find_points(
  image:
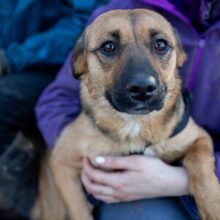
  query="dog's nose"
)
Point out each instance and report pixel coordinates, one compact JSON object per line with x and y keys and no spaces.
{"x":142,"y":88}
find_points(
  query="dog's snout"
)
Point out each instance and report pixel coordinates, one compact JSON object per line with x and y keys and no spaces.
{"x":142,"y":88}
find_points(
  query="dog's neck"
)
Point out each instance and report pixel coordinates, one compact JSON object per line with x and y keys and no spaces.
{"x":151,"y":128}
{"x":184,"y":113}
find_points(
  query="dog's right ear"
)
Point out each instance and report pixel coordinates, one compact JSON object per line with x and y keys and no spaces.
{"x":79,"y":62}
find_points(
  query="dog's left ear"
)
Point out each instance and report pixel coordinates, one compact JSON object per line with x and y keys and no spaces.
{"x":181,"y":55}
{"x":79,"y":62}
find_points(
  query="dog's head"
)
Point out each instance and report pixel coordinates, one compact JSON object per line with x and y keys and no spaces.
{"x":129,"y":58}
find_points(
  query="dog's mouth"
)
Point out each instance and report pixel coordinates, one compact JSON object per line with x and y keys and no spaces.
{"x":123,"y":103}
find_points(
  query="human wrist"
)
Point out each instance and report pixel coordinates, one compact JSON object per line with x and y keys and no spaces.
{"x":177,"y":182}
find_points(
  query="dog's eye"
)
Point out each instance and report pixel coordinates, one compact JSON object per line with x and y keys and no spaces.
{"x":108,"y":47}
{"x":161,"y":46}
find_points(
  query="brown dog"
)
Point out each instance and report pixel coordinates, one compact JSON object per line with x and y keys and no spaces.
{"x":128,"y":62}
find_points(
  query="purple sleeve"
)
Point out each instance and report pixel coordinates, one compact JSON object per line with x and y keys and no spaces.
{"x":58,"y":105}
{"x":217,"y":164}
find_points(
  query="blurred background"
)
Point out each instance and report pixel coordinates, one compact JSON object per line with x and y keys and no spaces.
{"x":35,"y":39}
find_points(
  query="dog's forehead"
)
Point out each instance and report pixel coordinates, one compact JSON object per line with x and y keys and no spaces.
{"x":126,"y":23}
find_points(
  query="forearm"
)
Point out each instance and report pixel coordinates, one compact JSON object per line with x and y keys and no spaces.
{"x":175,"y":183}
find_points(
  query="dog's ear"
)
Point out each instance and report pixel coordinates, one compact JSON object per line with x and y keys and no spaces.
{"x":79,"y":62}
{"x":181,"y":55}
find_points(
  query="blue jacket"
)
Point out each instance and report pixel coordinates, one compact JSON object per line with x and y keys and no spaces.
{"x":41,"y":32}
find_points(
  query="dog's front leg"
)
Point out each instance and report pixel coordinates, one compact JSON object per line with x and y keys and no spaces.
{"x":67,"y":179}
{"x":203,"y":182}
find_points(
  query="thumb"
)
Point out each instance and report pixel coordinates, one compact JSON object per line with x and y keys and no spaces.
{"x":118,"y":162}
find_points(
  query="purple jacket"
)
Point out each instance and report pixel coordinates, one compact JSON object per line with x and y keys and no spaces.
{"x":60,"y":103}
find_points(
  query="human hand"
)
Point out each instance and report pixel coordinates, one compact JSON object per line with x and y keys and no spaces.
{"x":4,"y":64}
{"x":132,"y":178}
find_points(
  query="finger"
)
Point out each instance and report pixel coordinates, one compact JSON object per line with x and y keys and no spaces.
{"x":106,"y":199}
{"x":97,"y":193}
{"x":86,"y":181}
{"x":101,"y":177}
{"x":96,"y":189}
{"x":119,"y":162}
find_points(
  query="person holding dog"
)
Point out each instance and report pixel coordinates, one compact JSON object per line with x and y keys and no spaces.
{"x":146,"y":187}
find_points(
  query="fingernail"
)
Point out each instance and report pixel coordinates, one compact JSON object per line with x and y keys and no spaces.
{"x":100,"y":160}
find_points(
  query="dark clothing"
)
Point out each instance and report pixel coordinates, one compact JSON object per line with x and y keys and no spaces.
{"x":19,"y":174}
{"x":155,"y":209}
{"x":18,"y":168}
{"x":18,"y":95}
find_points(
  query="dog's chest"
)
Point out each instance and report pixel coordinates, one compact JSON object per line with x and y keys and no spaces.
{"x":125,"y":141}
{"x":130,"y":135}
{"x":130,"y":130}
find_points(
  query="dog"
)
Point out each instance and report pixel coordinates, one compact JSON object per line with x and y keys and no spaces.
{"x":128,"y":62}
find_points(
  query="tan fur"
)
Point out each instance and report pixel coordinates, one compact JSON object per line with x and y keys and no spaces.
{"x":48,"y":195}
{"x":101,"y":130}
